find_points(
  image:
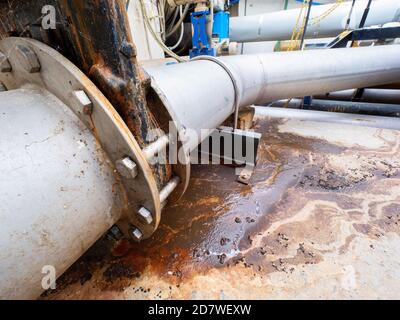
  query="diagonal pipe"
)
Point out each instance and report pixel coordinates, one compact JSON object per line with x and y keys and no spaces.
{"x":202,"y":94}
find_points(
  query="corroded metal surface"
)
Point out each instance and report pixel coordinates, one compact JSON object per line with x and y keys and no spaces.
{"x":320,"y":219}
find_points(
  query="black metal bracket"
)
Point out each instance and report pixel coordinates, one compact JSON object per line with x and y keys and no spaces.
{"x":342,"y":40}
{"x":238,"y":148}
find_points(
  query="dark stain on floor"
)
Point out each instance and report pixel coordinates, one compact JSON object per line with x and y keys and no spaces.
{"x":214,"y":224}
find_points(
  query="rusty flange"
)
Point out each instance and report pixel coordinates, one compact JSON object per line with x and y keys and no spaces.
{"x":29,"y":62}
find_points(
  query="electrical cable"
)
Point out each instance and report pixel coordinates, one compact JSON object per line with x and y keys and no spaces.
{"x":172,"y":21}
{"x":180,"y":21}
{"x":156,"y":37}
{"x":181,"y":35}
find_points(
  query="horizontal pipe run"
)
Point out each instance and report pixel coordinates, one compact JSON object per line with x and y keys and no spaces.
{"x":331,"y":117}
{"x":388,"y":110}
{"x":58,"y":195}
{"x":391,"y":96}
{"x":279,"y":25}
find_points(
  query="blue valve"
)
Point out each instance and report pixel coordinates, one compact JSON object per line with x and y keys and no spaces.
{"x":201,"y":44}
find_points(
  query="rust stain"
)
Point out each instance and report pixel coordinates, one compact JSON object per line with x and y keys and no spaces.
{"x":312,"y":214}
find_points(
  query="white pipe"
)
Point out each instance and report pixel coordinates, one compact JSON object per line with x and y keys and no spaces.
{"x":279,"y":25}
{"x":331,"y":117}
{"x":59,"y":195}
{"x":202,"y":93}
{"x":367,"y":95}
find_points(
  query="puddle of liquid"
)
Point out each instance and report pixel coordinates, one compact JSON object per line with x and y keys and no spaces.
{"x":220,"y":223}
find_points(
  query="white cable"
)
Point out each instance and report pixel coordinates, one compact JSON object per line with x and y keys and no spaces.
{"x":156,"y":37}
{"x":182,"y":32}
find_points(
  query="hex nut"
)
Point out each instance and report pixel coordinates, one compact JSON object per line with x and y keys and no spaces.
{"x":127,"y":168}
{"x":28,"y":59}
{"x":136,"y":234}
{"x":85,"y":105}
{"x":145,"y":215}
{"x":4,"y":63}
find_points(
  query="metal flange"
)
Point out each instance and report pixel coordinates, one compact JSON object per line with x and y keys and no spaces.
{"x":29,"y":62}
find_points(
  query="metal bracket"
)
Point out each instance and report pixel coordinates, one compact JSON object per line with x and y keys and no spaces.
{"x":226,"y":146}
{"x":365,"y":34}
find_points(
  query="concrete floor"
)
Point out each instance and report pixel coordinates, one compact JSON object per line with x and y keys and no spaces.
{"x":320,"y":220}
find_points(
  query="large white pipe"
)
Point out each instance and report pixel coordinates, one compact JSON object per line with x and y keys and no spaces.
{"x":202,"y":93}
{"x":69,"y":169}
{"x":59,"y":194}
{"x":279,"y":25}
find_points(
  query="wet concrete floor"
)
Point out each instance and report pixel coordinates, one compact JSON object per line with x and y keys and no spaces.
{"x":320,"y":219}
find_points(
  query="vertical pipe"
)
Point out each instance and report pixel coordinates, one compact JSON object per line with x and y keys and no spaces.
{"x":350,"y":14}
{"x":306,"y":24}
{"x":168,"y":189}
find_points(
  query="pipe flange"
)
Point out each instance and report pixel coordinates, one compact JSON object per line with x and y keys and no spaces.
{"x":34,"y":63}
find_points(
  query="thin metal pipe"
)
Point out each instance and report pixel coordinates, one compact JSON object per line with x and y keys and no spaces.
{"x":391,"y":96}
{"x":331,"y":117}
{"x":303,"y":36}
{"x":365,"y":15}
{"x":378,"y":109}
{"x":350,"y":14}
